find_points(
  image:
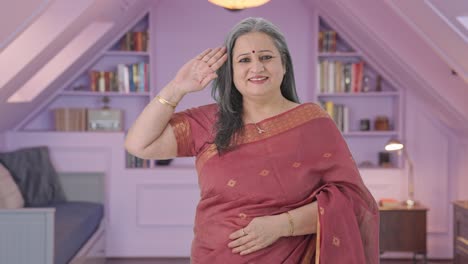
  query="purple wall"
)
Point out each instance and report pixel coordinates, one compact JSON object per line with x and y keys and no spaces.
{"x":185,"y":28}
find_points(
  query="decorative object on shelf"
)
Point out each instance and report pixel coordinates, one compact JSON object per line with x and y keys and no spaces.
{"x":105,"y":119}
{"x":381,"y":123}
{"x":79,"y":88}
{"x":389,"y":202}
{"x":105,"y":102}
{"x":238,"y":4}
{"x":165,"y":162}
{"x":364,"y":124}
{"x":378,"y":84}
{"x":366,"y":164}
{"x":365,"y":84}
{"x":396,"y":145}
{"x":384,"y":160}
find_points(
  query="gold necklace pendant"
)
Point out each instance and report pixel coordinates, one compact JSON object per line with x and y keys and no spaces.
{"x":259,"y":130}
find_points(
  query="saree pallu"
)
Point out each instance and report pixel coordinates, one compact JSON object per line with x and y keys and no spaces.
{"x":301,"y":157}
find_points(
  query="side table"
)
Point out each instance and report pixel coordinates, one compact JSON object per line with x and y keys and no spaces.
{"x":460,"y":232}
{"x":403,"y":228}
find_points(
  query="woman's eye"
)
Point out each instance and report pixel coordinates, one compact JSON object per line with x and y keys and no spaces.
{"x":266,"y":57}
{"x":244,"y":60}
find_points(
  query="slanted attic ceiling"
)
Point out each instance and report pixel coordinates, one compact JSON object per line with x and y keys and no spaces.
{"x":400,"y":43}
{"x":117,"y":12}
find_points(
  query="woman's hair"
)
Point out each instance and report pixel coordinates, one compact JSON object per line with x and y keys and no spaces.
{"x":229,"y":99}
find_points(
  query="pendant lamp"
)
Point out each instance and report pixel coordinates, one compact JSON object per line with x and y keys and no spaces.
{"x":238,"y":4}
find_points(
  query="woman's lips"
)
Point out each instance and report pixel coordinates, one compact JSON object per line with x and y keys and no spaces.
{"x":258,"y":80}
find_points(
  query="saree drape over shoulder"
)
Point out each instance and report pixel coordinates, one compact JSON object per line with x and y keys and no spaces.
{"x":300,"y":158}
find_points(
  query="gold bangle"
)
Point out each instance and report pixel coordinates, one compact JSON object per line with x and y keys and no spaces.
{"x":165,"y":102}
{"x":291,"y":224}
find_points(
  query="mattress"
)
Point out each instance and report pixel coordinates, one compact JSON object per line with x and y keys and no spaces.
{"x":75,"y":223}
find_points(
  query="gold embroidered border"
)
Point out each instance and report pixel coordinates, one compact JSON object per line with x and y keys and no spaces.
{"x":206,"y":155}
{"x":317,"y":244}
{"x":309,"y":254}
{"x":288,"y":120}
{"x":182,"y":132}
{"x":276,"y":125}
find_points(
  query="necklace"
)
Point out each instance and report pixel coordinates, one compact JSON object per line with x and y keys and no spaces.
{"x":259,"y":130}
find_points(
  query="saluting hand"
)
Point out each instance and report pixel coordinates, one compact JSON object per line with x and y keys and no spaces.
{"x":201,"y":70}
{"x":260,"y":233}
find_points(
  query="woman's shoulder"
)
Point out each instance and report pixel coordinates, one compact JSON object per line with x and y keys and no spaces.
{"x":313,"y":110}
{"x":208,"y":111}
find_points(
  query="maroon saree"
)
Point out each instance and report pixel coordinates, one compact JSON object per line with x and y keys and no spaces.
{"x":300,"y":158}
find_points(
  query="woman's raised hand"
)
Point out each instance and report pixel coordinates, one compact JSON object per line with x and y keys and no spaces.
{"x":199,"y":71}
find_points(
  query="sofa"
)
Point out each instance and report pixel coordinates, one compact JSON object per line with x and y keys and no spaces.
{"x":37,"y":222}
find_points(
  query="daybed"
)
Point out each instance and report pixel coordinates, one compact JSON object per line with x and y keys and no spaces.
{"x":48,"y":229}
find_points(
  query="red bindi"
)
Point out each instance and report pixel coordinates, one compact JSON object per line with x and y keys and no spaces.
{"x":253,"y":51}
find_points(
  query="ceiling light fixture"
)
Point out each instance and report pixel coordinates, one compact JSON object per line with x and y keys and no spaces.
{"x":238,"y":4}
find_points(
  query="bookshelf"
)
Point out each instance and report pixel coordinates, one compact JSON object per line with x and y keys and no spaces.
{"x":363,"y":104}
{"x":119,"y":74}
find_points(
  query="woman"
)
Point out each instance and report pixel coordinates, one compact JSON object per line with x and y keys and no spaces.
{"x":278,"y":183}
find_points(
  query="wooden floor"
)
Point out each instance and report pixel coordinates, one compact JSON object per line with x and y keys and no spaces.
{"x":187,"y":261}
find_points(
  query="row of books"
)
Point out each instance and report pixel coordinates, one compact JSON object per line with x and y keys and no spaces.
{"x":327,"y":41}
{"x":340,"y":77}
{"x":135,"y":162}
{"x":127,"y":78}
{"x":339,"y":113}
{"x":134,"y":41}
{"x":70,"y":119}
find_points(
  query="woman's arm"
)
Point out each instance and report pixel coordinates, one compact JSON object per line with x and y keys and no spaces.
{"x":300,"y":221}
{"x":150,"y":137}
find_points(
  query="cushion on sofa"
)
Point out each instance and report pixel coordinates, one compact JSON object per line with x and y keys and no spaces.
{"x":75,"y":223}
{"x":35,"y":175}
{"x":10,"y":196}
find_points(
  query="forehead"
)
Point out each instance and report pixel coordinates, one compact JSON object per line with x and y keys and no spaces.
{"x":253,"y":41}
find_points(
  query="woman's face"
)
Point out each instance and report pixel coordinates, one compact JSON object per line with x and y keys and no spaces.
{"x":257,"y":66}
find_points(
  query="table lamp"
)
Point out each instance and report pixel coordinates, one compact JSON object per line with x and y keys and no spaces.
{"x":396,"y":145}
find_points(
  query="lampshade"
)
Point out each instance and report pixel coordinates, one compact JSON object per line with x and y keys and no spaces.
{"x":238,"y":4}
{"x":393,"y":145}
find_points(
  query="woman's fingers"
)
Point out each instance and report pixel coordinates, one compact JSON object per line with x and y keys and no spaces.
{"x":219,"y":52}
{"x":245,"y":247}
{"x":210,"y":54}
{"x":215,"y":66}
{"x":201,"y":55}
{"x":237,"y":234}
{"x":252,"y":247}
{"x":208,"y":79}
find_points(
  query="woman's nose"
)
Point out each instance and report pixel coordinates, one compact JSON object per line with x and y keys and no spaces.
{"x":257,"y":66}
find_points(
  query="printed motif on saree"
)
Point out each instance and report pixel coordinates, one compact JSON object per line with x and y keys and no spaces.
{"x":301,"y":157}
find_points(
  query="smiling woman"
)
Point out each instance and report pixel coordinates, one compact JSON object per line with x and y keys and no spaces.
{"x":267,"y":194}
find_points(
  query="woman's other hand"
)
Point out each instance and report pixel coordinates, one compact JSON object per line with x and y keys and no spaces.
{"x":260,"y":233}
{"x":199,"y":71}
